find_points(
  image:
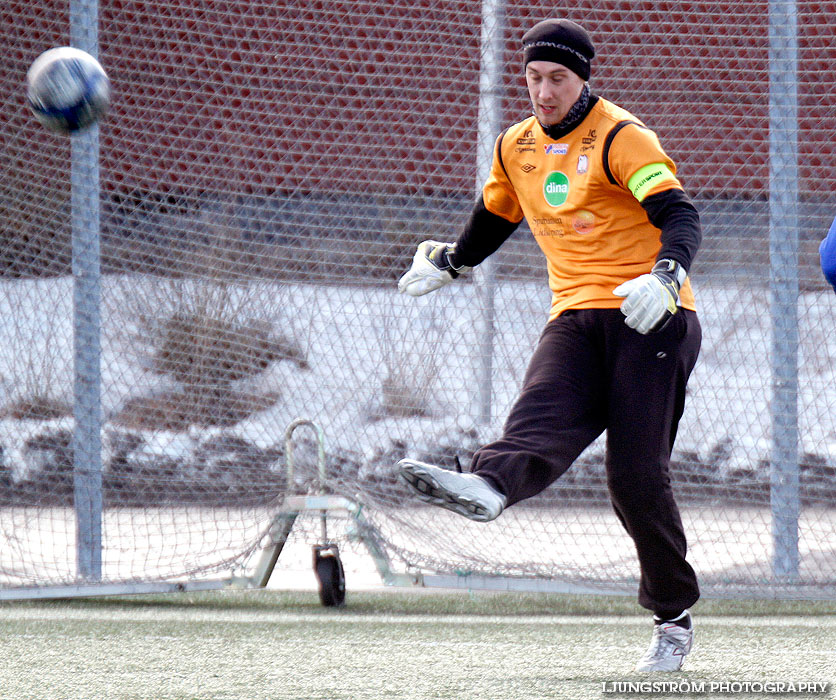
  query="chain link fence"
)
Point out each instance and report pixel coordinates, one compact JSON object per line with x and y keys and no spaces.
{"x":265,"y":174}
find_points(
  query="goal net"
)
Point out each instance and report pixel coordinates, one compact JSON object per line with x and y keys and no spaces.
{"x":265,"y":173}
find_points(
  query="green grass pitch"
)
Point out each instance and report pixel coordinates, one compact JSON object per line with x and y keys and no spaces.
{"x":391,"y":644}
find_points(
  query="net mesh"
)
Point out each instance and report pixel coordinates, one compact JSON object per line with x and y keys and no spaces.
{"x":267,"y":169}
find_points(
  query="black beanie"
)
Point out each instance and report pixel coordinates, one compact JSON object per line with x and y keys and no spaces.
{"x":560,"y":41}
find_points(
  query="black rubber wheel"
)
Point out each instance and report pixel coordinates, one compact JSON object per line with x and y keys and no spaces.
{"x":330,"y":574}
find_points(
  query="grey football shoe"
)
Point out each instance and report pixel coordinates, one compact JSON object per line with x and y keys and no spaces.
{"x":670,"y":644}
{"x":466,"y":494}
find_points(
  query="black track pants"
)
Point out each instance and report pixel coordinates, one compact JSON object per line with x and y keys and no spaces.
{"x":591,"y":373}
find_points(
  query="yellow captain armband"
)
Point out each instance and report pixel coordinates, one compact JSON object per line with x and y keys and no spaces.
{"x":647,"y":178}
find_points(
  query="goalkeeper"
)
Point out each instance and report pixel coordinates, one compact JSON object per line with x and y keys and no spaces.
{"x":619,"y":234}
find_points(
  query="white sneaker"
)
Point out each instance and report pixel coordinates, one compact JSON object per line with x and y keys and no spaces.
{"x":670,"y":645}
{"x":463,"y":493}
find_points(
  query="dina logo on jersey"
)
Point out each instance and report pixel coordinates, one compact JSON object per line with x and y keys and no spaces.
{"x":556,"y":188}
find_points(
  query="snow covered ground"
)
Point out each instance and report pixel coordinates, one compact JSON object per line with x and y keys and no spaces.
{"x":367,"y":348}
{"x":354,"y":338}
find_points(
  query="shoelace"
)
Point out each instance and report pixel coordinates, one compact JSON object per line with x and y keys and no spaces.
{"x":656,"y":643}
{"x":660,"y":643}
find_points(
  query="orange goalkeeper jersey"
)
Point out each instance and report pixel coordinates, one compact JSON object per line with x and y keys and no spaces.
{"x":581,"y":195}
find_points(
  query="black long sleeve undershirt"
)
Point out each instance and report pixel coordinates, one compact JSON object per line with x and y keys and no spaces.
{"x":676,"y":216}
{"x":482,"y":236}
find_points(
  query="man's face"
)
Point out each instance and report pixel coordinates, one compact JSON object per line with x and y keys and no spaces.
{"x":553,"y":90}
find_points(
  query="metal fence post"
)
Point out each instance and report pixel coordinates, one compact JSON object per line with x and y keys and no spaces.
{"x":490,"y":120}
{"x":87,"y":458}
{"x":783,"y":281}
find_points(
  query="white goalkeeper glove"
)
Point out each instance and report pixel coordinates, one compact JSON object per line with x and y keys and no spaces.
{"x":431,"y":269}
{"x":651,"y":300}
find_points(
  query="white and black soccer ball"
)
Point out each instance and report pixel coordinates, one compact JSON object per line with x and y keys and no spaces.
{"x":67,"y":89}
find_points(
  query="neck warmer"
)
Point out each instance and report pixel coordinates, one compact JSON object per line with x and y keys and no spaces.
{"x":573,"y":117}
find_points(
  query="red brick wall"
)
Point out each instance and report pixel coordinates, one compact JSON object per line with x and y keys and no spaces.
{"x":365,"y":97}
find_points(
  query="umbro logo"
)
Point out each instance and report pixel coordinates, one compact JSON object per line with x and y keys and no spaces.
{"x":528,"y":167}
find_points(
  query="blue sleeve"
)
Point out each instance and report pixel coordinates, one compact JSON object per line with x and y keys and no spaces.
{"x":827,"y":251}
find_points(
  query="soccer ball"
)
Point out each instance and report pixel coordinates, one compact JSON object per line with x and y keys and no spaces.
{"x":67,"y":89}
